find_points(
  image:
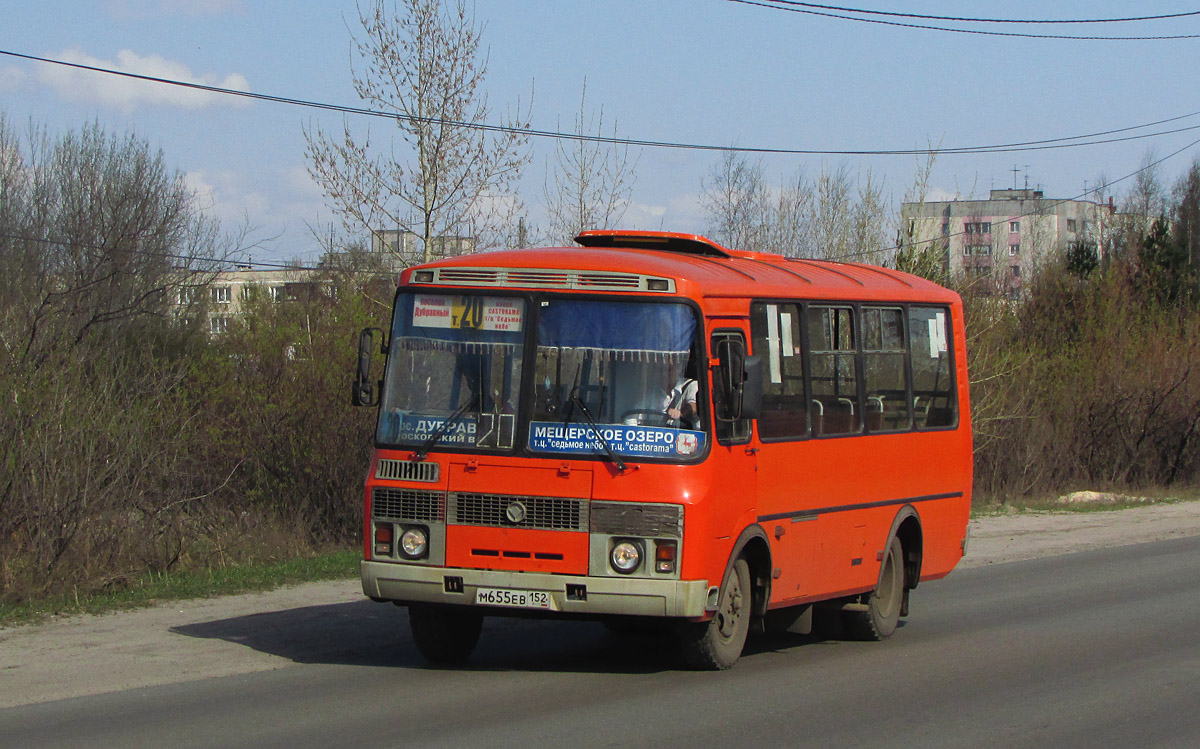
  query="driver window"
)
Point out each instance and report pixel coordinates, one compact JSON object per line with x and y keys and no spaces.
{"x":727,"y":431}
{"x":664,"y":393}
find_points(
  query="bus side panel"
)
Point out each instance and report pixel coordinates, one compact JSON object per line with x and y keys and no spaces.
{"x":944,"y":525}
{"x":842,"y":496}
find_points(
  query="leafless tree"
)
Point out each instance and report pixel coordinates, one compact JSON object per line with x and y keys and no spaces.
{"x":454,"y":175}
{"x":96,"y":234}
{"x":591,"y":181}
{"x":99,"y":244}
{"x":733,"y":193}
{"x":848,"y":220}
{"x":1186,"y":212}
{"x":828,"y":217}
{"x":913,"y":253}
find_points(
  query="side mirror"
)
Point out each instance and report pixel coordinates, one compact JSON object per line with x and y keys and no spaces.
{"x":363,"y":391}
{"x":739,"y":378}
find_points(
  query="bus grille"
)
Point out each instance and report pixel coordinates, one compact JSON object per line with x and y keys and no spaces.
{"x":408,"y":504}
{"x":545,"y":513}
{"x":407,"y":470}
{"x":637,"y":519}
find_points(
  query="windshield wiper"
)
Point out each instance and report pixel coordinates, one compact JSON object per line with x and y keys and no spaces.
{"x":440,"y":432}
{"x":576,"y":401}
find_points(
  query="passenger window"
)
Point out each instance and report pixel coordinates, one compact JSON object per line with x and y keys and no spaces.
{"x":934,"y":401}
{"x":834,"y":407}
{"x":884,"y":370}
{"x":775,"y":331}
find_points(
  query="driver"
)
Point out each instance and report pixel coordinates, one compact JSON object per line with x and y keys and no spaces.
{"x":680,"y":403}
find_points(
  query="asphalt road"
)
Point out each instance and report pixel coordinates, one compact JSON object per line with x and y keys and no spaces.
{"x":1097,"y":648}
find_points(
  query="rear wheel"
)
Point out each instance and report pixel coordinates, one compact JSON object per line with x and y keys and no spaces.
{"x":445,"y":634}
{"x":878,"y":616}
{"x":717,"y":644}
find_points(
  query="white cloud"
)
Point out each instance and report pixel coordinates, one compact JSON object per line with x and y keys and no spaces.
{"x":12,"y":78}
{"x":300,"y":182}
{"x":274,"y":203}
{"x":643,"y":216}
{"x":127,"y":94}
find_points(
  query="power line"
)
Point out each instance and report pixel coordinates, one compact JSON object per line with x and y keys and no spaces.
{"x":1073,"y":141}
{"x":961,"y":19}
{"x":980,"y":32}
{"x":846,"y":257}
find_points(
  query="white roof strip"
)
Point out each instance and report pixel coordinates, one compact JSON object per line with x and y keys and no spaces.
{"x":548,"y":278}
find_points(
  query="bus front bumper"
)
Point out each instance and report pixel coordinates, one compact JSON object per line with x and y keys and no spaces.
{"x":411,"y":583}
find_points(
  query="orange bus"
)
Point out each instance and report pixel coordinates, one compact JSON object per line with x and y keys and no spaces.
{"x":652,"y":429}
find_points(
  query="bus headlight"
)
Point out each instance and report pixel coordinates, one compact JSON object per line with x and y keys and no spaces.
{"x":414,"y":542}
{"x":625,"y":557}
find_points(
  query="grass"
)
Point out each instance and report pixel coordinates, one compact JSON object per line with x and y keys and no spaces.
{"x":155,"y":588}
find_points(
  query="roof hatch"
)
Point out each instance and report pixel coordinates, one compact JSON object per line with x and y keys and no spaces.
{"x":686,"y":244}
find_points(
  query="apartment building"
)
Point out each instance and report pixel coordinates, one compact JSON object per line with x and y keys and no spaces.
{"x":1002,"y":239}
{"x":231,"y":290}
{"x":391,"y":250}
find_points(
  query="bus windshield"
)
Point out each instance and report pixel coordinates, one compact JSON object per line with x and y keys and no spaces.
{"x":616,"y":378}
{"x":454,"y":372}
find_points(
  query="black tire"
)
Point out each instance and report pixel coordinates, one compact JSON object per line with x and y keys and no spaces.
{"x":445,"y":635}
{"x":881,"y":613}
{"x":717,"y":644}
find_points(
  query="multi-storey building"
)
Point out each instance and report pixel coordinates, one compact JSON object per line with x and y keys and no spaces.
{"x":399,"y":248}
{"x":230,"y":291}
{"x":1003,"y":238}
{"x":391,"y":251}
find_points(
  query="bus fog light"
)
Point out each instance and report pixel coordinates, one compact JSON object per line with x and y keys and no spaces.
{"x":625,"y":557}
{"x":383,"y":540}
{"x":664,"y":556}
{"x":414,"y":543}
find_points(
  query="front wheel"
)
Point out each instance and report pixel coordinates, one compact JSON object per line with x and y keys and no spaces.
{"x":717,"y":644}
{"x":879,"y":616}
{"x":445,"y":635}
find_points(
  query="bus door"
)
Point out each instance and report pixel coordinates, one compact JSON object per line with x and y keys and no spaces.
{"x":734,"y":455}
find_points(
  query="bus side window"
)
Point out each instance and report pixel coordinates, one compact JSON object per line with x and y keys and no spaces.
{"x":775,"y":331}
{"x":935,"y":402}
{"x":727,"y":431}
{"x":833,"y":352}
{"x":885,"y":370}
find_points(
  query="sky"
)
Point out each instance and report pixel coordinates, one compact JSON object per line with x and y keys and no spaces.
{"x":704,"y":72}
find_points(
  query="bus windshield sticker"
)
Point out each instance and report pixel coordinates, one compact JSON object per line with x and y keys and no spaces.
{"x":627,"y":441}
{"x":773,"y":344}
{"x":469,"y":313}
{"x":785,"y":331}
{"x":937,"y":335}
{"x":411,"y":427}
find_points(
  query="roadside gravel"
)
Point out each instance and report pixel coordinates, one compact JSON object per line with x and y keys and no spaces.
{"x":321,"y":622}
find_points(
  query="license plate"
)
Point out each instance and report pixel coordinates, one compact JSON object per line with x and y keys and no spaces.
{"x":521,"y":599}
